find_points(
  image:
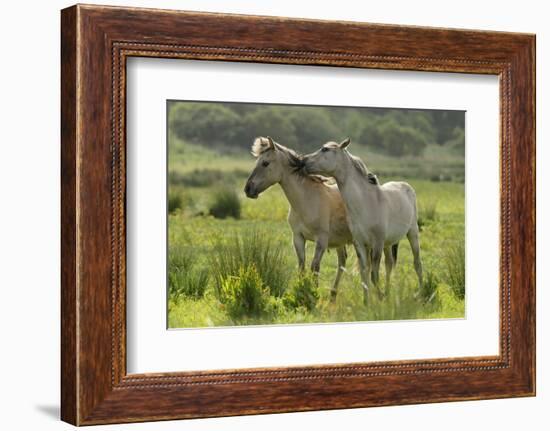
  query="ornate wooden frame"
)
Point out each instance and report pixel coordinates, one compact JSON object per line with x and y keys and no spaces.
{"x":95,"y":43}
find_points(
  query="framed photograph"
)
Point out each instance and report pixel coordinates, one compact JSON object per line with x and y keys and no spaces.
{"x":265,"y":214}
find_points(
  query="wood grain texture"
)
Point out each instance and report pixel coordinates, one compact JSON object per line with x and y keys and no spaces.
{"x":69,"y":367}
{"x":96,"y":41}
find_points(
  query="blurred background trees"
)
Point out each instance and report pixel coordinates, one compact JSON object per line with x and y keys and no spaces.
{"x":231,"y":127}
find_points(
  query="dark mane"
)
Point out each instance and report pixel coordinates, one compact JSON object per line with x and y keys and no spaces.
{"x":373,"y":179}
{"x":362,"y":168}
{"x":295,"y":160}
{"x":296,"y":163}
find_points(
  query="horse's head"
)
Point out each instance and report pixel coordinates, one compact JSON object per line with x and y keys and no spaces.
{"x":268,"y":169}
{"x":327,"y":159}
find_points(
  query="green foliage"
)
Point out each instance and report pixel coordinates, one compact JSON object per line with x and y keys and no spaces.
{"x":203,"y":122}
{"x":268,"y":121}
{"x":428,"y":291}
{"x":456,"y":140}
{"x":446,"y":122}
{"x":303,"y":293}
{"x":312,"y":127}
{"x":233,"y":126}
{"x":252,"y":248}
{"x":401,"y":140}
{"x":225,"y":203}
{"x":427,"y":213}
{"x":455,"y":268}
{"x":370,"y":135}
{"x":174,"y":201}
{"x":244,"y":295}
{"x":185,"y":278}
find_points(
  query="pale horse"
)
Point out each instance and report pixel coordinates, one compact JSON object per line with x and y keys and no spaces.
{"x":379,"y":216}
{"x":317,"y":212}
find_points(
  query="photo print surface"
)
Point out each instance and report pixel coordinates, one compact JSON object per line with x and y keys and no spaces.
{"x":291,"y":214}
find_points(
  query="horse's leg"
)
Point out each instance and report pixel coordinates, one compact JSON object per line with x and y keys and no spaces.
{"x":412,"y":236}
{"x":363,"y":256}
{"x":300,"y":248}
{"x":342,"y":256}
{"x":388,"y":261}
{"x":376,"y":258}
{"x":320,"y":247}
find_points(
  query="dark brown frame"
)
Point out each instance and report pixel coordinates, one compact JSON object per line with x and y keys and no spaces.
{"x":95,"y":43}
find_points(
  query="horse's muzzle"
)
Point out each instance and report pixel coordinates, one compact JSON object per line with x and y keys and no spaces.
{"x":250,"y":191}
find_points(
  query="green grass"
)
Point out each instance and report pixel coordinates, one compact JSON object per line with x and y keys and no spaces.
{"x":261,"y":237}
{"x":236,"y":251}
{"x":184,"y":277}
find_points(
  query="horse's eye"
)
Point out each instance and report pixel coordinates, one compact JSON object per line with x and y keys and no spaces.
{"x":265,"y":164}
{"x":324,"y":149}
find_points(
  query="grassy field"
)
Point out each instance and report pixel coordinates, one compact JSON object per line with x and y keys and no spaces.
{"x":241,"y":269}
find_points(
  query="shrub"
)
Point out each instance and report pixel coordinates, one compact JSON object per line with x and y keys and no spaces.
{"x":184,"y":277}
{"x":401,"y":140}
{"x":254,"y":248}
{"x":197,"y":122}
{"x":303,"y":293}
{"x":269,"y":121}
{"x":312,"y":127}
{"x":244,"y":295}
{"x":371,"y":136}
{"x":225,"y":203}
{"x":455,"y":269}
{"x":174,"y":201}
{"x":428,"y":291}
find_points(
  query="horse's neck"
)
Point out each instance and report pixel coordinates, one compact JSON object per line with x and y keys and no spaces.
{"x":355,"y":188}
{"x":296,"y":190}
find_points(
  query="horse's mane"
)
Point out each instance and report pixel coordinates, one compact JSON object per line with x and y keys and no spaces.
{"x":358,"y":164}
{"x":261,"y":145}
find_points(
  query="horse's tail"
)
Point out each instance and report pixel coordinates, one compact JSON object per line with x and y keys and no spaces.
{"x":394,"y":249}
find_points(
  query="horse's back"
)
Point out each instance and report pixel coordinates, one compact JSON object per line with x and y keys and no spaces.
{"x":399,"y":187}
{"x":400,"y":191}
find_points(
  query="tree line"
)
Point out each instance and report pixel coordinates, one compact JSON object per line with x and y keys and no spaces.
{"x":395,"y":132}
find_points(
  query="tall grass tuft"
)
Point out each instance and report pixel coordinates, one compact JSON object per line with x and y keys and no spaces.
{"x":455,"y":269}
{"x":427,"y":213}
{"x":303,"y":293}
{"x":428,"y":291}
{"x":225,"y":203}
{"x":185,"y":277}
{"x":255,"y":248}
{"x":244,"y":295}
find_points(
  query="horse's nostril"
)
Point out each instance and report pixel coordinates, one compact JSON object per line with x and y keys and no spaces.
{"x":247,"y":188}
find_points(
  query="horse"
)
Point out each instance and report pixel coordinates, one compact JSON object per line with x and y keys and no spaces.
{"x":317,"y":212}
{"x":379,"y":216}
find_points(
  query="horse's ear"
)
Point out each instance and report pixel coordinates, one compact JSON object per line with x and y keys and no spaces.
{"x":345,"y":143}
{"x":271,"y":143}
